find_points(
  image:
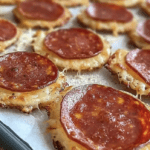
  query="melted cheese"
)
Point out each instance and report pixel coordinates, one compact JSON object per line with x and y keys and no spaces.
{"x":27,"y":101}
{"x":69,"y":3}
{"x":117,"y":65}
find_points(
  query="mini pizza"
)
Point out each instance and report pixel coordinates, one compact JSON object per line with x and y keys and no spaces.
{"x":96,"y":117}
{"x":71,"y":3}
{"x":41,"y":13}
{"x":28,"y":81}
{"x":9,"y":2}
{"x":8,"y":34}
{"x":73,"y":49}
{"x":108,"y":17}
{"x":141,"y":35}
{"x":125,"y":3}
{"x":132,"y":68}
{"x":146,"y":6}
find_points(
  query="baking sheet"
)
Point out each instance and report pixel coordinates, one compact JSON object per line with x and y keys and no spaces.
{"x":32,"y":127}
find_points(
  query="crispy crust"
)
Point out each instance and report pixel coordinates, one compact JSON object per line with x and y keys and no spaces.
{"x":115,"y":27}
{"x":9,"y":2}
{"x":72,"y":3}
{"x":28,"y":23}
{"x":125,"y":3}
{"x":145,"y":8}
{"x":116,"y":64}
{"x":138,"y":40}
{"x":5,"y":44}
{"x":59,"y":136}
{"x":74,"y":64}
{"x":27,"y":101}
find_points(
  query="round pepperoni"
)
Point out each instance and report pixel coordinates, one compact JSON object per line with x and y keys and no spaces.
{"x":143,"y":30}
{"x":108,"y":12}
{"x":139,"y":61}
{"x":41,"y":10}
{"x":102,"y":118}
{"x":24,"y":71}
{"x":75,"y":43}
{"x":7,"y":30}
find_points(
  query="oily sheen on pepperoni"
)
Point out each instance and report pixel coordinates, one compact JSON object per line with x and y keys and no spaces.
{"x":108,"y":12}
{"x":24,"y":71}
{"x":139,"y":61}
{"x":7,"y":30}
{"x":143,"y":30}
{"x":75,"y":43}
{"x":41,"y":10}
{"x":102,"y":118}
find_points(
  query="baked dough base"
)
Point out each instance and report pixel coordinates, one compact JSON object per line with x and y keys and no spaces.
{"x":30,"y":23}
{"x":27,"y":101}
{"x":125,"y":3}
{"x":138,"y":40}
{"x":71,"y":3}
{"x":71,"y":64}
{"x":117,"y":65}
{"x":115,"y":27}
{"x":5,"y":44}
{"x":59,"y":136}
{"x":145,"y":8}
{"x":9,"y":2}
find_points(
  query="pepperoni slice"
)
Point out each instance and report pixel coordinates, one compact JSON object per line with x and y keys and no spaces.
{"x":139,"y":61}
{"x":143,"y":30}
{"x":109,"y":12}
{"x":24,"y":71}
{"x":102,"y":118}
{"x":75,"y":43}
{"x":7,"y":30}
{"x":41,"y":10}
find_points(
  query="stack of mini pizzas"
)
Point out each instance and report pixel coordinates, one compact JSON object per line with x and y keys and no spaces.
{"x":86,"y":117}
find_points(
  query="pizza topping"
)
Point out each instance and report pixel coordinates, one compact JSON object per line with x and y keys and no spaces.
{"x":143,"y":30}
{"x":24,"y":71}
{"x":100,"y":117}
{"x":109,"y":12}
{"x":139,"y":61}
{"x":41,"y":10}
{"x":7,"y":30}
{"x":75,"y":43}
{"x":148,"y":2}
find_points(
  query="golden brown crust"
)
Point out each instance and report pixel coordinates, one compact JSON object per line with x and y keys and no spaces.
{"x":29,"y":23}
{"x":58,"y":134}
{"x":9,"y":2}
{"x":125,"y":3}
{"x":5,"y":44}
{"x":146,"y":8}
{"x":116,"y":64}
{"x":27,"y":101}
{"x":138,"y":40}
{"x":115,"y":27}
{"x":74,"y":64}
{"x":71,"y":3}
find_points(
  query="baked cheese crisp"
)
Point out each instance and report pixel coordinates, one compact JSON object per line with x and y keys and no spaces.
{"x":44,"y":14}
{"x":131,"y":73}
{"x":9,"y":34}
{"x":28,"y":81}
{"x":93,"y":116}
{"x":73,"y":49}
{"x":107,"y":17}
